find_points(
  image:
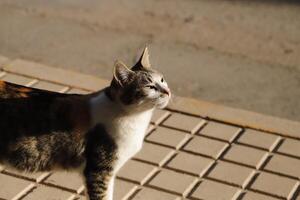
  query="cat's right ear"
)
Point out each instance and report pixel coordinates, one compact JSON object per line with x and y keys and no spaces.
{"x":143,"y":62}
{"x":122,"y":74}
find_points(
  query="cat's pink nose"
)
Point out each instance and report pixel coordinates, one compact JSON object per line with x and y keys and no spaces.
{"x":166,"y":91}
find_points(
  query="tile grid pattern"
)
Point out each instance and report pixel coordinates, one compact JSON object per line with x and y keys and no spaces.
{"x":184,"y":156}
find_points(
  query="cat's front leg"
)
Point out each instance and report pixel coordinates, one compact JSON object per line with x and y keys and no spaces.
{"x":99,"y":185}
{"x":100,"y":161}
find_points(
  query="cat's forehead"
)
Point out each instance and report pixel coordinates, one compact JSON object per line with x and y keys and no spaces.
{"x":150,"y":74}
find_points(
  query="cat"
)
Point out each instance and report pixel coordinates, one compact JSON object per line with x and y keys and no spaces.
{"x":95,"y":133}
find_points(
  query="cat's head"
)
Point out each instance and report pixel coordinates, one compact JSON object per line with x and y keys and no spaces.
{"x":141,"y":86}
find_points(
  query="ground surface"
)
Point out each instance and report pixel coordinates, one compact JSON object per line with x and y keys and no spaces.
{"x":193,"y":150}
{"x":244,"y":54}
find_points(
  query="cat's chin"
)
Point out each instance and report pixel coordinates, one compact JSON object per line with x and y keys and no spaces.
{"x":162,"y":105}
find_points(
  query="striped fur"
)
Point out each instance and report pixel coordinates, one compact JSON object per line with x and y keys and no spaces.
{"x":95,"y":134}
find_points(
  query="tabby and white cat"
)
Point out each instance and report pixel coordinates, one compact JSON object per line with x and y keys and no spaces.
{"x":98,"y":132}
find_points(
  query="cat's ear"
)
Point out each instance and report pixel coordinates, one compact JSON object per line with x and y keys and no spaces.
{"x":122,"y":74}
{"x":143,"y":62}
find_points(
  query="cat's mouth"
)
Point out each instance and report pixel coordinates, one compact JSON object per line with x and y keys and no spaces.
{"x":163,"y":102}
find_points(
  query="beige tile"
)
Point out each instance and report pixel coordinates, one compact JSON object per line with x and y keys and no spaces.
{"x":211,"y":190}
{"x":79,"y":197}
{"x":137,"y":171}
{"x":159,"y":115}
{"x":155,"y":154}
{"x":231,"y":173}
{"x":184,"y":122}
{"x":246,"y":155}
{"x":38,"y":176}
{"x":290,"y":147}
{"x":173,"y":181}
{"x":273,"y":184}
{"x":186,"y":162}
{"x":69,"y":180}
{"x":17,"y":79}
{"x":77,"y":91}
{"x":284,"y":165}
{"x":57,"y":75}
{"x":169,"y":137}
{"x":149,"y":129}
{"x":47,"y":193}
{"x":123,"y":189}
{"x":259,"y":139}
{"x":152,"y":194}
{"x":206,"y":146}
{"x":11,"y":186}
{"x":257,"y":196}
{"x":236,"y":116}
{"x":49,"y":86}
{"x":220,"y":131}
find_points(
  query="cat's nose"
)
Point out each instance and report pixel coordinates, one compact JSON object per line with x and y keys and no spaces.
{"x":165,"y":91}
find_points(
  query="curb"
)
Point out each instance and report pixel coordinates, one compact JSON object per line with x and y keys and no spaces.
{"x":180,"y":104}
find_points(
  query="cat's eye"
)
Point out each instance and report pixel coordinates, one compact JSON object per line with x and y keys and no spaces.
{"x":152,"y":87}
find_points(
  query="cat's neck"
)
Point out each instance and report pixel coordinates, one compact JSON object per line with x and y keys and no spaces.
{"x":103,"y":107}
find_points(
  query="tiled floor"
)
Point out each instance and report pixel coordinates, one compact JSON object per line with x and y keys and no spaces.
{"x":185,"y":156}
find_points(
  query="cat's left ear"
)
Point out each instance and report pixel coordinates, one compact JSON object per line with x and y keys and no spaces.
{"x":122,"y":75}
{"x":143,"y":62}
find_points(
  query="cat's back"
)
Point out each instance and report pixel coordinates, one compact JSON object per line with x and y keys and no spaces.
{"x":11,"y":91}
{"x":37,"y":125}
{"x":25,"y":110}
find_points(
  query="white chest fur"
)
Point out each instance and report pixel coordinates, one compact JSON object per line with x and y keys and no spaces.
{"x":130,"y":133}
{"x":128,"y":130}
